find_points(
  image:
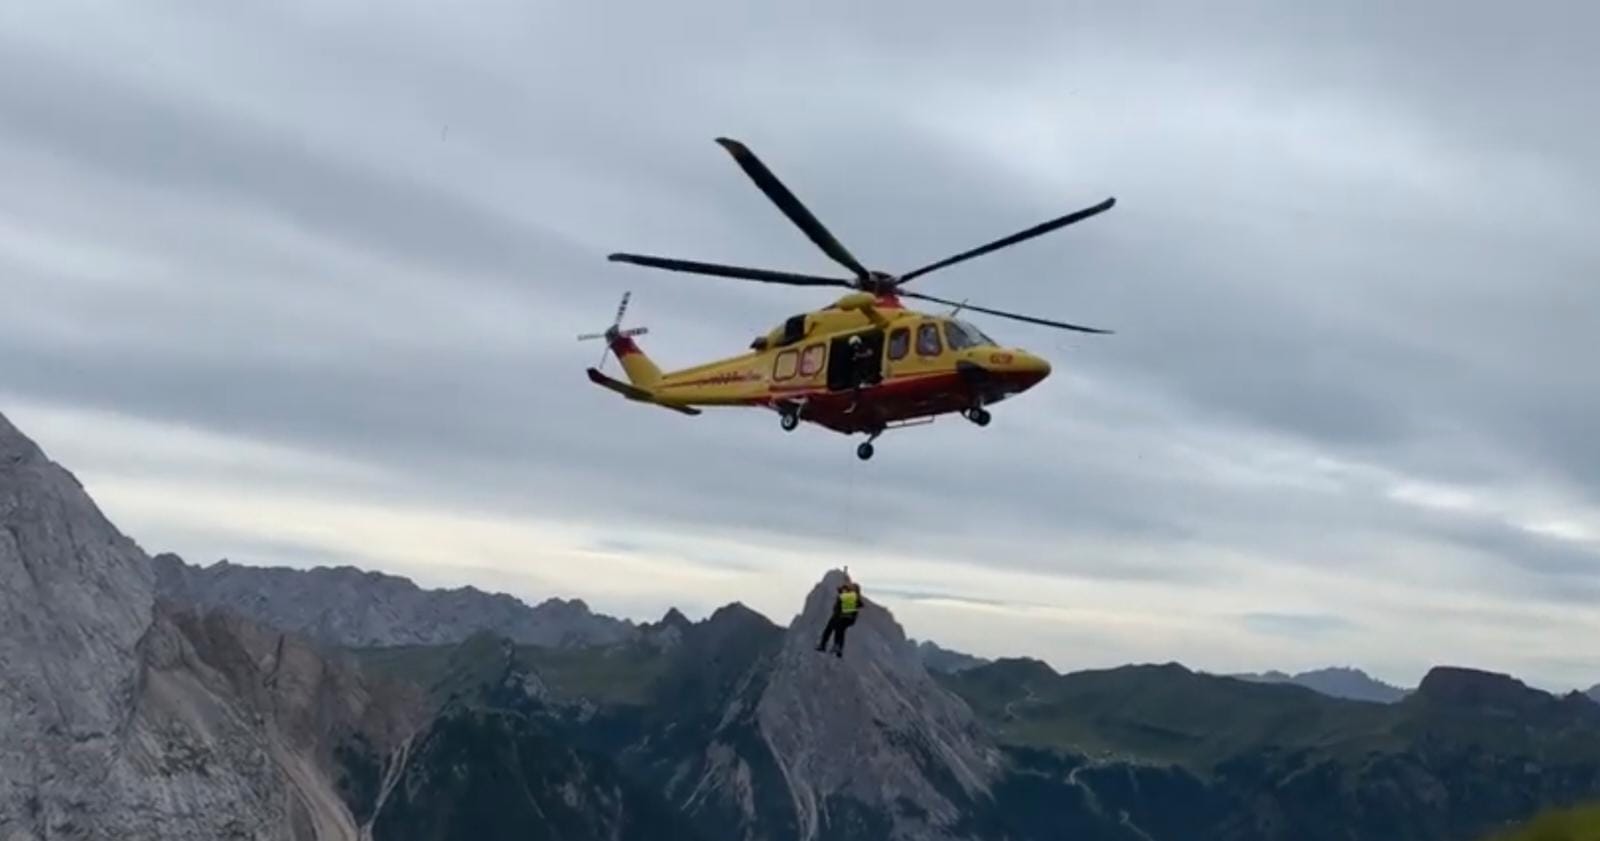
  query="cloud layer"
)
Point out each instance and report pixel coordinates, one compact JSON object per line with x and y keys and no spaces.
{"x":299,"y":285}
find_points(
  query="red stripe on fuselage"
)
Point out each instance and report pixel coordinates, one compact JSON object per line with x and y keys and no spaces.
{"x":899,"y":399}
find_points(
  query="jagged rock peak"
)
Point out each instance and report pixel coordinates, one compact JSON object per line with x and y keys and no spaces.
{"x":669,"y":631}
{"x":915,"y":753}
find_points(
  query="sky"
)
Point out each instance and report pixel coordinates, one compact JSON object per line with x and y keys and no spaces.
{"x":299,"y":284}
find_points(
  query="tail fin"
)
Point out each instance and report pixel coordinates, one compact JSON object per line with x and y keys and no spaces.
{"x":640,"y":370}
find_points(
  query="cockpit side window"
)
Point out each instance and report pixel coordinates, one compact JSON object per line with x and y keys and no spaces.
{"x":928,"y":339}
{"x":981,"y":337}
{"x":956,"y":337}
{"x":960,"y":335}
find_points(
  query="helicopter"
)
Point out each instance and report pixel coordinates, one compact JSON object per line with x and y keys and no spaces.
{"x":864,"y":364}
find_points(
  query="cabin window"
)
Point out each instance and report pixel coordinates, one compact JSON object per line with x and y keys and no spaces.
{"x":811,"y":359}
{"x":784,"y":364}
{"x":899,"y":343}
{"x":928,"y":339}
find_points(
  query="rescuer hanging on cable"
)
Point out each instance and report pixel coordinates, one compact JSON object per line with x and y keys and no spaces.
{"x":846,"y":606}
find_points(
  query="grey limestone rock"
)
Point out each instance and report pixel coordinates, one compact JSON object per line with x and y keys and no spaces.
{"x":120,"y":718}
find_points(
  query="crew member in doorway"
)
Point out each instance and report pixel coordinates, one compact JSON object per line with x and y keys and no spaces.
{"x":863,"y":369}
{"x":846,"y":606}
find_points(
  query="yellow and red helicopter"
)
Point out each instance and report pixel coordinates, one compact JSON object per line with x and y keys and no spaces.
{"x":862,"y":365}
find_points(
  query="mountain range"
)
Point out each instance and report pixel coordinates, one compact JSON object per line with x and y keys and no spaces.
{"x":349,"y":607}
{"x":138,"y":703}
{"x":1335,"y":682}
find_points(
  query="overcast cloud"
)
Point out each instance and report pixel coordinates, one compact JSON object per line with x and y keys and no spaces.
{"x":298,"y":284}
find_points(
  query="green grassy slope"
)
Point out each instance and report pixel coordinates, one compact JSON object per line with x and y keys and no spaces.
{"x":1159,"y":713}
{"x":610,"y":675}
{"x":1580,"y":824}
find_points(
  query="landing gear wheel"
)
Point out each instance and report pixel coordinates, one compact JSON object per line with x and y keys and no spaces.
{"x":788,"y":420}
{"x":864,"y":451}
{"x":979,"y":416}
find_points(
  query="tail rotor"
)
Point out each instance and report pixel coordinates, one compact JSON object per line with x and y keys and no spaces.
{"x":615,"y":331}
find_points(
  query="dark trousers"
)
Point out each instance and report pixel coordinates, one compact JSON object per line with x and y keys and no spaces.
{"x":836,"y":628}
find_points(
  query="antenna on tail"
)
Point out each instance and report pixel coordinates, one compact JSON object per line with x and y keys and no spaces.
{"x":615,"y":331}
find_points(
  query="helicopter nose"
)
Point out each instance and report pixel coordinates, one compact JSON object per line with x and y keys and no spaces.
{"x":1020,"y":369}
{"x":1031,"y":369}
{"x":1029,"y":363}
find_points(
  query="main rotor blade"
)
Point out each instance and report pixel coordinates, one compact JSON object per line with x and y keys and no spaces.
{"x":1003,"y":314}
{"x":1036,"y":230}
{"x":791,"y":206}
{"x":739,"y":272}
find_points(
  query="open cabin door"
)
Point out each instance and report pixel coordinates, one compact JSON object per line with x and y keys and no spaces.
{"x":845,"y":370}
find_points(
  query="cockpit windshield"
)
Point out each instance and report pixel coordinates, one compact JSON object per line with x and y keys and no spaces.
{"x":959,"y":335}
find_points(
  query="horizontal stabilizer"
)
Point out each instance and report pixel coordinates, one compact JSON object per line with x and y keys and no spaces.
{"x":634,"y":392}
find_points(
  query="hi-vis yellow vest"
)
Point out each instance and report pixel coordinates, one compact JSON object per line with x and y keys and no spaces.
{"x":849,"y":602}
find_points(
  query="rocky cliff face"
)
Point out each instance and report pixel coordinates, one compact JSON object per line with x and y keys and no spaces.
{"x":122,"y":718}
{"x":75,"y":600}
{"x":349,"y":607}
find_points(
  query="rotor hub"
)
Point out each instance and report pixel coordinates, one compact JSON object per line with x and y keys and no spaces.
{"x":879,"y":283}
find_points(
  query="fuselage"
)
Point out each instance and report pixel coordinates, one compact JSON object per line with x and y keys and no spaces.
{"x":906,"y":365}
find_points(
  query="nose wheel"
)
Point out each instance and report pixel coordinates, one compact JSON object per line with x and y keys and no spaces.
{"x":789,"y":420}
{"x":979,"y":416}
{"x":864,"y":449}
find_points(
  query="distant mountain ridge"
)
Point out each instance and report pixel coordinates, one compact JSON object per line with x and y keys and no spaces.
{"x":346,"y":606}
{"x":939,"y":659}
{"x":1335,"y":682}
{"x":1183,"y":754}
{"x":349,"y":607}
